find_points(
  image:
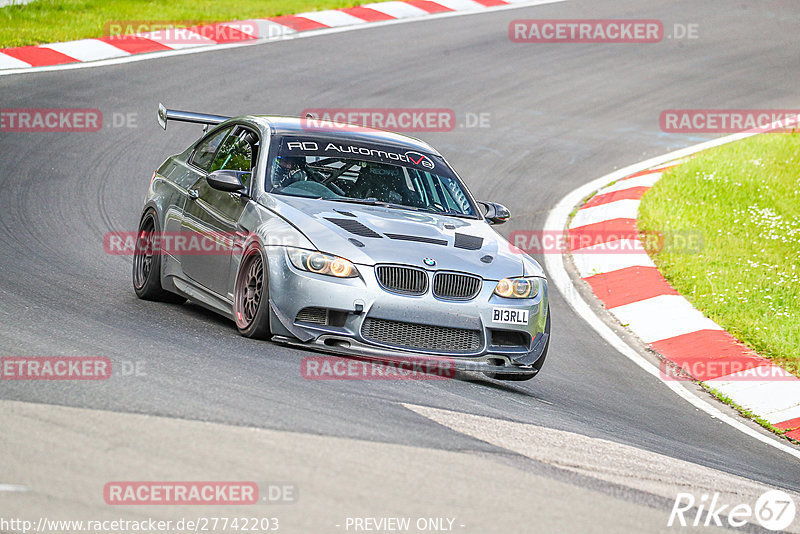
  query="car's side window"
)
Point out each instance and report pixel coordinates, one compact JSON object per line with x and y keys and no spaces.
{"x":204,"y":153}
{"x":236,"y":153}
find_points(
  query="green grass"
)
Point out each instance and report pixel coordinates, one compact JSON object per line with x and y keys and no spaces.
{"x":48,"y":21}
{"x":744,"y":200}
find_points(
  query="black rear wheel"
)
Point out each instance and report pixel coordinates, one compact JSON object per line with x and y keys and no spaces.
{"x":251,"y":296}
{"x":147,"y":263}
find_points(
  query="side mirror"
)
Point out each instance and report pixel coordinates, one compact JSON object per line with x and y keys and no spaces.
{"x":227,"y":180}
{"x":495,"y":213}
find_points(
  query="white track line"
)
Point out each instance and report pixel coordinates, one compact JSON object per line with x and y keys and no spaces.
{"x":557,"y":273}
{"x":663,"y":317}
{"x":784,"y":415}
{"x":619,"y":209}
{"x":13,"y":488}
{"x":187,"y":39}
{"x":87,"y":50}
{"x":590,"y":262}
{"x":8,"y":62}
{"x":646,"y":180}
{"x":332,"y":18}
{"x":460,"y":5}
{"x":398,"y":10}
{"x":299,"y":35}
{"x":260,"y":28}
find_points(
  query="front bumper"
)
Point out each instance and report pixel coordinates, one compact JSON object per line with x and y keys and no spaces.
{"x":352,"y":301}
{"x":437,"y":364}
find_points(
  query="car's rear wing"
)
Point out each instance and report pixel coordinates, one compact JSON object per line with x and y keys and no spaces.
{"x":165,"y":115}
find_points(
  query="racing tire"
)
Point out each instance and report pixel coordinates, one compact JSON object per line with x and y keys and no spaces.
{"x":147,"y":263}
{"x":251,"y":295}
{"x":537,"y":365}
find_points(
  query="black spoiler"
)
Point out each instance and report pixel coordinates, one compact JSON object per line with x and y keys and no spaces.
{"x":165,"y":115}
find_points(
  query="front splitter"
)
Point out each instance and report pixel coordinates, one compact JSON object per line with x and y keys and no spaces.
{"x":349,"y":347}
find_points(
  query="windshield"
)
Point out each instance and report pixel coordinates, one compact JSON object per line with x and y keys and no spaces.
{"x":364,"y":176}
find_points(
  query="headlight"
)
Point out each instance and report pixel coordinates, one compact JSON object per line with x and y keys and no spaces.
{"x":317,"y":262}
{"x":517,"y":288}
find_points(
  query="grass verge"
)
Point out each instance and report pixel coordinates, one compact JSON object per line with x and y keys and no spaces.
{"x":743,"y":200}
{"x":49,"y":21}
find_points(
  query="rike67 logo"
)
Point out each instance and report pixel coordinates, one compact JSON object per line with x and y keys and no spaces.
{"x":774,"y":510}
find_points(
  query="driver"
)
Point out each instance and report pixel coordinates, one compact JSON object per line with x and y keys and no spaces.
{"x":288,"y":169}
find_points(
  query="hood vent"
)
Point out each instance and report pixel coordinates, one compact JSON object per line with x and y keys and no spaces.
{"x":468,"y":242}
{"x":345,"y":213}
{"x":354,"y":227}
{"x":418,"y":239}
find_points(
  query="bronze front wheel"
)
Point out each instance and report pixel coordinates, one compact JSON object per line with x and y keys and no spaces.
{"x":251,"y":296}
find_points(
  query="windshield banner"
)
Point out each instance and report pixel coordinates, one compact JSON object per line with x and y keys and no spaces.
{"x":296,"y":146}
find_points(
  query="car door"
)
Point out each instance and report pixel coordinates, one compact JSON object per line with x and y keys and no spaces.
{"x":211,"y":216}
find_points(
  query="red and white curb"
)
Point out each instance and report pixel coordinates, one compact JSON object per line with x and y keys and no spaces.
{"x":560,"y":217}
{"x":119,"y":49}
{"x":632,"y":289}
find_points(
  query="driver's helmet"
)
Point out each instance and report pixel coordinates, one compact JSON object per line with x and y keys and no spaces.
{"x":285,"y":166}
{"x":289,"y":163}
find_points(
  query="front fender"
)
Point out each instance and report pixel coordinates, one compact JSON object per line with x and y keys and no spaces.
{"x":269,"y":232}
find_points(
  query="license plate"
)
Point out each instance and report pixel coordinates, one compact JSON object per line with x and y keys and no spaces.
{"x":510,"y":316}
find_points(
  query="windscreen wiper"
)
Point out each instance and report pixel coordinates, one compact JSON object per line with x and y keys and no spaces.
{"x":374,"y":202}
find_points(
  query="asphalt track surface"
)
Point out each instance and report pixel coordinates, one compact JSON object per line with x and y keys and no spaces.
{"x":560,"y":115}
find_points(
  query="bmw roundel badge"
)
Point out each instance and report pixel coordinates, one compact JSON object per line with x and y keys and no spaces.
{"x":430,"y":262}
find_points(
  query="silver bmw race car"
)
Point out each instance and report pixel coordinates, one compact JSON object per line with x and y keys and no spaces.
{"x":345,"y":239}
